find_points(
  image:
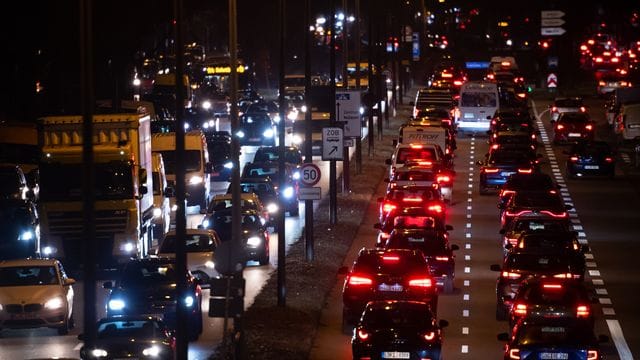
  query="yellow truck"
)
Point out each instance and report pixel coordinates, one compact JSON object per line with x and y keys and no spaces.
{"x":123,"y":191}
{"x":19,"y":145}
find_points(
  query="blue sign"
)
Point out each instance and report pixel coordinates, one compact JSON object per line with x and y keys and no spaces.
{"x":415,"y":49}
{"x":477,"y":64}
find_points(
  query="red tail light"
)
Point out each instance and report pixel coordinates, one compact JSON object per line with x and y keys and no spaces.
{"x":566,"y":276}
{"x":593,"y":355}
{"x":504,"y":193}
{"x":415,"y":146}
{"x":421,"y":282}
{"x":588,"y":127}
{"x":583,"y":109}
{"x":495,"y":146}
{"x":512,"y":241}
{"x":490,"y":170}
{"x":555,"y":215}
{"x":554,"y":109}
{"x":442,"y":258}
{"x":514,"y":354}
{"x":510,"y":213}
{"x":457,"y":83}
{"x":583,"y":311}
{"x":412,"y":199}
{"x":443,"y":178}
{"x":525,"y":171}
{"x":559,"y":127}
{"x":435,"y":208}
{"x":429,"y":336}
{"x":388,"y":207}
{"x":520,"y":309}
{"x":574,"y":158}
{"x":363,"y":334}
{"x":510,"y":275}
{"x":390,"y":258}
{"x":358,"y":280}
{"x":608,"y":159}
{"x":552,"y":286}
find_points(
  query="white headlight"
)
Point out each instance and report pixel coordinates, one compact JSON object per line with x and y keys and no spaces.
{"x":361,"y":110}
{"x":292,"y":115}
{"x":209,"y":264}
{"x":276,"y":119}
{"x":205,"y":223}
{"x":254,"y":241}
{"x":186,"y":126}
{"x":205,"y":125}
{"x":188,"y":301}
{"x":127,"y":247}
{"x":228,"y":165}
{"x":151,"y":351}
{"x":174,"y":207}
{"x":297,"y":139}
{"x":99,"y":353}
{"x":296,"y":175}
{"x":48,"y":250}
{"x":26,"y":235}
{"x":206,"y":104}
{"x":303,"y":108}
{"x":288,"y":192}
{"x":272,"y":208}
{"x":116,"y":304}
{"x":240,"y":134}
{"x":157,"y":212}
{"x":194,"y":180}
{"x":55,"y":303}
{"x":268,"y":133}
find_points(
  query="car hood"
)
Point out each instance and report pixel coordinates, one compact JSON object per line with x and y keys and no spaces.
{"x":120,"y":345}
{"x":195,"y":260}
{"x":36,"y":294}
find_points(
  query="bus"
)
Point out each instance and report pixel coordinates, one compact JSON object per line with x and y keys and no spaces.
{"x":477,"y":104}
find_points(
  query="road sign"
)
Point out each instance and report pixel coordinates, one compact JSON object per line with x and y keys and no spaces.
{"x":551,"y":14}
{"x":332,"y":143}
{"x":348,"y":111}
{"x":552,"y":62}
{"x":350,"y":142}
{"x":551,"y":22}
{"x":552,"y":31}
{"x":309,"y":174}
{"x":552,"y":80}
{"x":309,"y":193}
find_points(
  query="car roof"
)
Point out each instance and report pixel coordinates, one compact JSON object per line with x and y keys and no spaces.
{"x":28,"y":262}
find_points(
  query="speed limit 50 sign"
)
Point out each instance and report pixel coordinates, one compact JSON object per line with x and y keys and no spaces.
{"x":309,"y":174}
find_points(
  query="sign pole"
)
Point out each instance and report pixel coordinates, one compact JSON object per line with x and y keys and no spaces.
{"x":333,"y":195}
{"x":308,"y":150}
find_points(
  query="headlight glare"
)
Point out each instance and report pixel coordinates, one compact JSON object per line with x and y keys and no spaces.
{"x":55,"y":303}
{"x":157,"y":212}
{"x":98,"y":353}
{"x":116,"y":304}
{"x":272,"y":208}
{"x":228,"y":165}
{"x":288,"y":192}
{"x":254,"y":241}
{"x":26,"y":235}
{"x":151,"y":351}
{"x":195,"y":180}
{"x":206,"y":223}
{"x":268,"y":133}
{"x":188,"y":301}
{"x":210,"y":264}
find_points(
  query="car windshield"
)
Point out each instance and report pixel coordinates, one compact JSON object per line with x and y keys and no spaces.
{"x":259,"y":188}
{"x":193,"y":243}
{"x":130,"y":329}
{"x":390,"y":263}
{"x":258,"y":170}
{"x":568,"y":103}
{"x":405,"y":154}
{"x":428,"y":242}
{"x":148,"y":274}
{"x":192,"y":159}
{"x":574,"y":118}
{"x":415,"y":176}
{"x":397,"y":316}
{"x":28,"y":276}
{"x":272,"y":154}
{"x":540,"y":225}
{"x":221,"y":204}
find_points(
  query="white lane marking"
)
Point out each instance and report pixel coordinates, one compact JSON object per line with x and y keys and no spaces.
{"x":618,"y":339}
{"x":582,"y":234}
{"x":466,"y":283}
{"x":468,"y":207}
{"x":467,"y":257}
{"x":575,"y":221}
{"x":470,"y":186}
{"x":604,"y":301}
{"x":468,"y":216}
{"x":467,"y":269}
{"x":471,"y":169}
{"x":465,"y":313}
{"x":577,"y":227}
{"x":602,"y":291}
{"x":471,"y":163}
{"x":464,"y":349}
{"x":608,"y":311}
{"x":469,"y":192}
{"x":465,"y":297}
{"x":469,"y":200}
{"x":468,"y":225}
{"x":583,"y":242}
{"x":594,"y":273}
{"x":468,"y":236}
{"x":597,"y":282}
{"x":465,"y":330}
{"x":467,"y":245}
{"x":588,"y":256}
{"x":591,"y":264}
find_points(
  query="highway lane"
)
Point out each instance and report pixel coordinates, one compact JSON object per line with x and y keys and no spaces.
{"x":606,"y":215}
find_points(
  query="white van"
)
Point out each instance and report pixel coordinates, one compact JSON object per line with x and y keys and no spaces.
{"x":478,"y":102}
{"x":197,"y":165}
{"x":628,"y":123}
{"x":161,"y":194}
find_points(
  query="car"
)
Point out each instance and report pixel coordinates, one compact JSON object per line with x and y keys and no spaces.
{"x":552,"y":339}
{"x":552,"y":241}
{"x":573,"y":127}
{"x":539,"y":297}
{"x":271,"y":169}
{"x":264,"y":188}
{"x":563,"y":105}
{"x":408,"y":217}
{"x":518,"y":265}
{"x":266,"y":106}
{"x":428,"y":198}
{"x":500,"y":164}
{"x":13,"y":183}
{"x":434,"y":244}
{"x":254,"y":236}
{"x":36,"y":293}
{"x":425,"y":152}
{"x":147,"y":286}
{"x":513,"y":139}
{"x":510,"y":118}
{"x":397,"y":329}
{"x":392,"y":274}
{"x":131,"y":336}
{"x":219,"y":148}
{"x":200,"y":246}
{"x":532,"y":223}
{"x":292,"y":154}
{"x":263,"y":182}
{"x":19,"y":229}
{"x":256,"y":129}
{"x":591,"y":158}
{"x":248,"y":201}
{"x":548,"y":203}
{"x":423,"y":174}
{"x":526,"y":181}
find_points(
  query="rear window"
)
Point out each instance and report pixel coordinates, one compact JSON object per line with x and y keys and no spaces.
{"x":390,"y":263}
{"x":575,"y":103}
{"x":574,"y":118}
{"x":194,"y":243}
{"x":405,"y":154}
{"x":428,"y":242}
{"x":388,"y":317}
{"x":536,"y":262}
{"x":550,"y":335}
{"x":415,"y":176}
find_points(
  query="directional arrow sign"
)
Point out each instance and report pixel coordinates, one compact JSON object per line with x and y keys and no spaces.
{"x":551,"y":22}
{"x":332,"y":143}
{"x":551,"y":14}
{"x":552,"y":80}
{"x":552,"y":31}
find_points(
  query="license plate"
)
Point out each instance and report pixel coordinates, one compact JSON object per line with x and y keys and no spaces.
{"x":254,"y":139}
{"x":386,"y":287}
{"x":554,"y":356}
{"x":396,"y":355}
{"x":592,"y":167}
{"x":215,"y":174}
{"x":575,"y":134}
{"x":508,"y":173}
{"x":23,"y":316}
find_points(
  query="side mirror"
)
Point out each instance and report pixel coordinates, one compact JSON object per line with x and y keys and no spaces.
{"x":343,"y":270}
{"x":455,"y":247}
{"x":394,"y":142}
{"x":69,"y":281}
{"x":495,"y":267}
{"x":107,"y":285}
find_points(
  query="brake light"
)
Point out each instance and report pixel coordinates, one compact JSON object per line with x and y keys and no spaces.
{"x":509,"y":213}
{"x":363,"y":334}
{"x":574,"y":158}
{"x":598,"y":59}
{"x":388,"y":207}
{"x":559,"y":127}
{"x":525,"y":171}
{"x":442,"y":258}
{"x":533,"y":136}
{"x":390,"y":258}
{"x":552,"y":286}
{"x":412,"y":199}
{"x":520,"y":309}
{"x":512,"y":241}
{"x":608,"y":159}
{"x":416,"y":146}
{"x":510,"y":275}
{"x":357,"y":280}
{"x":554,"y":109}
{"x":583,"y":109}
{"x":514,"y":354}
{"x":582,"y":311}
{"x":444,"y":178}
{"x":593,"y":355}
{"x":424,"y":163}
{"x":495,"y":146}
{"x":588,"y":127}
{"x":504,"y":193}
{"x":556,"y":215}
{"x":421,"y":282}
{"x":429,"y":336}
{"x":490,"y":170}
{"x":521,"y":95}
{"x":457,"y":83}
{"x":435,"y":208}
{"x":566,"y":276}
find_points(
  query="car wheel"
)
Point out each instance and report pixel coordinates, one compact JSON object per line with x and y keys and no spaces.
{"x":448,"y":285}
{"x":501,"y":312}
{"x":194,"y":334}
{"x":264,"y":258}
{"x":64,"y":328}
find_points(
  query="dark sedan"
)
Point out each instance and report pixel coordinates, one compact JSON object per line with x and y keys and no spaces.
{"x":398,"y":330}
{"x":591,"y":158}
{"x":131,"y":337}
{"x":573,"y":127}
{"x":500,"y":164}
